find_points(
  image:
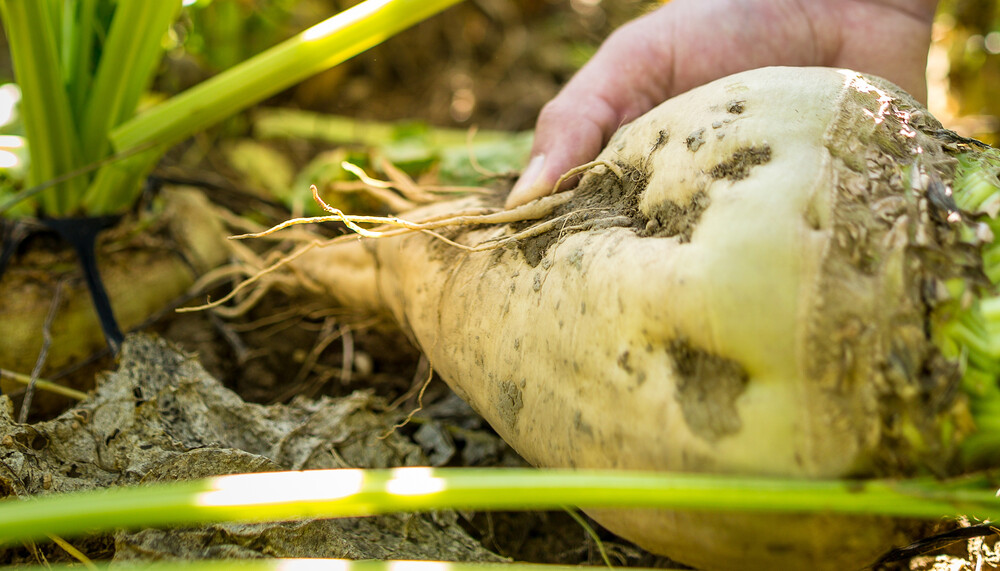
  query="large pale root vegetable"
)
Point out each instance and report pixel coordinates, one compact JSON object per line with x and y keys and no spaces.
{"x":140,"y":282}
{"x":762,"y":276}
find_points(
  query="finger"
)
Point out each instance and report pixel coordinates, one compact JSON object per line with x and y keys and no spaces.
{"x":568,"y":134}
{"x":612,"y":89}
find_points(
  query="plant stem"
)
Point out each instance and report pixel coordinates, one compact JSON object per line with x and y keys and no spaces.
{"x":330,"y":565}
{"x":316,"y":49}
{"x":45,"y":107}
{"x":78,"y":61}
{"x":44,"y":385}
{"x":279,"y":496}
{"x":128,"y":59}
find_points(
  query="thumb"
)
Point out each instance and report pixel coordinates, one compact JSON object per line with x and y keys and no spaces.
{"x":533,"y":183}
{"x":567,"y":135}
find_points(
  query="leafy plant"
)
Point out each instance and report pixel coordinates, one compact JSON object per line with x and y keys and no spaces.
{"x":83,"y":65}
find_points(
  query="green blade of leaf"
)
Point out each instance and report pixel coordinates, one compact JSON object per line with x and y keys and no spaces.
{"x":45,"y":108}
{"x":118,"y":183}
{"x":13,"y":202}
{"x":77,"y":63}
{"x":128,"y":59}
{"x":55,"y":13}
{"x":277,"y":496}
{"x":318,"y":48}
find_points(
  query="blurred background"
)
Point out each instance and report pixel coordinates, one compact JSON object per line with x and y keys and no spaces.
{"x":963,"y":70}
{"x":494,"y":63}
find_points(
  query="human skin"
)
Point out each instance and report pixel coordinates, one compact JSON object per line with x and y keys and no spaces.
{"x":687,"y":43}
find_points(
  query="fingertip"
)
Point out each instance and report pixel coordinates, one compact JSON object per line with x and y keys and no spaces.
{"x":525,"y":195}
{"x":530,"y":185}
{"x":570,"y":132}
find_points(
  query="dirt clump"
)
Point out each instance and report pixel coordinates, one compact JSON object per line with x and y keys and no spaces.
{"x":162,"y":417}
{"x":695,"y":140}
{"x":736,"y":106}
{"x":601,"y":201}
{"x":707,"y":390}
{"x":671,"y":219}
{"x":738,"y":165}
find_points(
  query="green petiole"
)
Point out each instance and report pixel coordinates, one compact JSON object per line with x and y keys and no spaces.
{"x":277,"y":496}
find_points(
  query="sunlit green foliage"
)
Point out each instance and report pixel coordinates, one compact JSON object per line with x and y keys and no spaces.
{"x":82,"y":66}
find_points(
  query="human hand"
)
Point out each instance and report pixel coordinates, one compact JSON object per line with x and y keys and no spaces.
{"x":687,"y":43}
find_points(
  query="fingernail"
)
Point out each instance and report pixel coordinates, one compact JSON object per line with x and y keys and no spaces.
{"x":524,"y":188}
